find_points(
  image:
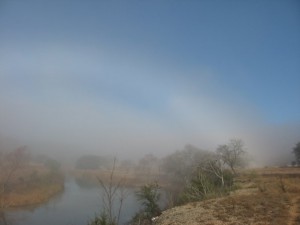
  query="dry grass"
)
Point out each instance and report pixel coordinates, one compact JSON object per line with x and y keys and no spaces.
{"x":30,"y":185}
{"x":128,"y":178}
{"x":265,"y":197}
{"x":32,"y":196}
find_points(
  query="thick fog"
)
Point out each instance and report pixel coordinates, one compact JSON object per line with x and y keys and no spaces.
{"x":68,"y":89}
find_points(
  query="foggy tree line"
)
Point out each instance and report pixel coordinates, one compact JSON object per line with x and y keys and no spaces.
{"x":198,"y":174}
{"x":296,"y":151}
{"x":192,"y":174}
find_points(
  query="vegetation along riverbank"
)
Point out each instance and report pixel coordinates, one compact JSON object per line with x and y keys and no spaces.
{"x":27,"y":180}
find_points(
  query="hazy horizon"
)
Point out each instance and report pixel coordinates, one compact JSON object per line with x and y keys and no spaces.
{"x":129,"y":78}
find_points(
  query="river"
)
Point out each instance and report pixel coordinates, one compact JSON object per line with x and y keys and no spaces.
{"x":77,"y":205}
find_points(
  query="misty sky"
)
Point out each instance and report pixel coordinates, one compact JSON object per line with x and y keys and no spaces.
{"x":126,"y":77}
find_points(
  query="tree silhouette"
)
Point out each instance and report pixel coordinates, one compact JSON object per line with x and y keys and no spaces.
{"x":232,"y":153}
{"x":296,"y":151}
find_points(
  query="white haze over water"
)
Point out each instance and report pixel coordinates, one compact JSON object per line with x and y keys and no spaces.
{"x":75,"y":94}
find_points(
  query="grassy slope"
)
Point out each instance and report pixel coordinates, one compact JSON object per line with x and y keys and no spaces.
{"x":266,"y":196}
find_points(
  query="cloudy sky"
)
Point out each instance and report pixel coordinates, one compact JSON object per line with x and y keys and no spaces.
{"x":132,"y":77}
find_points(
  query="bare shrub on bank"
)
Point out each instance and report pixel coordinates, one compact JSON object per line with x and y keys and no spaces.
{"x":114,"y":194}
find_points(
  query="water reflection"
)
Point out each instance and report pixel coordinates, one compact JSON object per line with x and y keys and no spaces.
{"x":3,"y":219}
{"x":86,"y":183}
{"x":79,"y":203}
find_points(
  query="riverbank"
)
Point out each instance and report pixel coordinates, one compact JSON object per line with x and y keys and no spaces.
{"x":265,"y":196}
{"x":130,"y":179}
{"x":32,"y":196}
{"x":32,"y":185}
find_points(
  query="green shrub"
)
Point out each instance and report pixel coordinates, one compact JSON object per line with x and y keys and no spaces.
{"x":149,"y":196}
{"x":100,"y":220}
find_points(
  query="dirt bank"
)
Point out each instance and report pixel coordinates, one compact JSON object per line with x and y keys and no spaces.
{"x":261,"y":200}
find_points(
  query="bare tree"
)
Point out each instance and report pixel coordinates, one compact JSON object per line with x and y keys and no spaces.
{"x":216,"y":166}
{"x":199,"y":187}
{"x":296,"y":151}
{"x":232,"y":154}
{"x":181,"y":164}
{"x":113,"y":191}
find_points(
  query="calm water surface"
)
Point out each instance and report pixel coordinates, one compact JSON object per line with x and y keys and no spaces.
{"x":75,"y":206}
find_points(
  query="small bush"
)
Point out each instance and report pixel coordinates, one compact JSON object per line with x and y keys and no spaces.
{"x":100,"y":220}
{"x":206,"y":184}
{"x":149,"y":196}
